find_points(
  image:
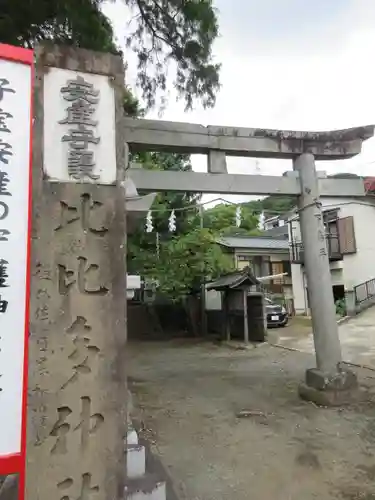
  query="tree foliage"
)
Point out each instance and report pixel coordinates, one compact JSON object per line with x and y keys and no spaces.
{"x":184,"y":204}
{"x":70,"y":22}
{"x":272,"y":205}
{"x":221,"y":219}
{"x":180,"y":32}
{"x":182,"y":260}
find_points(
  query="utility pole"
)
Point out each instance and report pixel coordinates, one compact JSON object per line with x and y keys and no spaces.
{"x":328,"y":378}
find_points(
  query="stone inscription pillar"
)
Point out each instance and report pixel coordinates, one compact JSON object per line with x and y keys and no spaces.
{"x":77,"y":382}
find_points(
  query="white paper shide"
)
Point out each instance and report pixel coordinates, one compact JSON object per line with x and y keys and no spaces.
{"x":15,"y":99}
{"x":79,"y":127}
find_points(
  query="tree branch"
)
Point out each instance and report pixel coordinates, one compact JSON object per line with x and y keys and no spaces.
{"x":150,"y":26}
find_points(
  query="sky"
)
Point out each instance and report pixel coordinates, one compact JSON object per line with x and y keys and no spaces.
{"x":290,"y":64}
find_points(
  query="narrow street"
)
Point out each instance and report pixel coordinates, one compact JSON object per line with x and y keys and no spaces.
{"x":357,"y":338}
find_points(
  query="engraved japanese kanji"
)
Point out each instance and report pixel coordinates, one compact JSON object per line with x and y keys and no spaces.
{"x":84,"y":212}
{"x":79,"y":277}
{"x":80,"y":138}
{"x":83,"y":351}
{"x":83,"y":98}
{"x":87,"y":423}
{"x":86,"y":488}
{"x":79,"y":113}
{"x":321,"y":235}
{"x":80,"y":89}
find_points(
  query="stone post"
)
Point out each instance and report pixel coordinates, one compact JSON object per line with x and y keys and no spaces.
{"x":77,"y":381}
{"x":351,"y":308}
{"x":329,"y":383}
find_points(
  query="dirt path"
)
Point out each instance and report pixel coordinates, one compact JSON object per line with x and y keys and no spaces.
{"x":189,"y":395}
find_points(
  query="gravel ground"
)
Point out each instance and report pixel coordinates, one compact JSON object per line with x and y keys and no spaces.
{"x":188,"y":396}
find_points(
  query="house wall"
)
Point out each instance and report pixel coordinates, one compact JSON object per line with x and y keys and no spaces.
{"x":360,"y":267}
{"x":256,"y":256}
{"x":354,"y":268}
{"x":261,"y":263}
{"x":299,"y":289}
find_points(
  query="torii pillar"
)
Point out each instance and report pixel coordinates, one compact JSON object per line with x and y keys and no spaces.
{"x":329,"y":383}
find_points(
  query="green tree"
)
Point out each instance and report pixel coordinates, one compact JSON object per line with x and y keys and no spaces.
{"x":70,"y":22}
{"x":184,"y":262}
{"x":184,"y":204}
{"x":222,"y":219}
{"x":164,"y":31}
{"x":183,"y":259}
{"x":272,"y":205}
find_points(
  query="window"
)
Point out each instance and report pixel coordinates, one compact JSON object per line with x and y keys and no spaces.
{"x":330,"y":216}
{"x":277,"y":268}
{"x":243,"y":258}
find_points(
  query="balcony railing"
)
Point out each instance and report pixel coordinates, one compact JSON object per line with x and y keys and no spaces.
{"x":364,"y":292}
{"x":297,"y":254}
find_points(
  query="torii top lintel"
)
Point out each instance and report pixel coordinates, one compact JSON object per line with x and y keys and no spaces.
{"x":178,"y":137}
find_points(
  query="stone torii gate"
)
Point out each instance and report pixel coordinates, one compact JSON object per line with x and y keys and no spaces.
{"x":329,"y":382}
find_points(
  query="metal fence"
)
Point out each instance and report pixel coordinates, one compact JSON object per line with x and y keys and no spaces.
{"x":364,"y":291}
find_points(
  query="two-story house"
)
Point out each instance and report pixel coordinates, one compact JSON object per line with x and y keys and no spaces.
{"x":266,"y":255}
{"x":349,"y":225}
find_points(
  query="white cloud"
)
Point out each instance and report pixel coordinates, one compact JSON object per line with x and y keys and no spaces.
{"x":317,"y":78}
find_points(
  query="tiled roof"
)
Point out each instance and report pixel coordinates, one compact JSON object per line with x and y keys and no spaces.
{"x":254,"y":242}
{"x":233,"y":280}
